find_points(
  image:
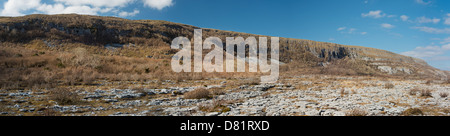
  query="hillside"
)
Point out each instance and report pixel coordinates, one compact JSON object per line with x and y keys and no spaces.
{"x":151,"y":39}
{"x":78,"y":65}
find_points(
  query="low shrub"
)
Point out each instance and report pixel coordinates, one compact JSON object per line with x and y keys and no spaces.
{"x":422,"y":92}
{"x":215,"y":106}
{"x":426,"y":93}
{"x":412,"y":112}
{"x":443,"y":94}
{"x":389,"y":86}
{"x":197,"y":94}
{"x":217,"y":91}
{"x":50,"y":112}
{"x":356,"y":112}
{"x":343,"y":92}
{"x":414,"y":91}
{"x":64,"y":96}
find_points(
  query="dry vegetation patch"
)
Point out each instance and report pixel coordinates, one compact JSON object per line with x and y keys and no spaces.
{"x":443,"y":94}
{"x":426,"y":93}
{"x":198,"y":93}
{"x":421,"y":92}
{"x":217,"y":91}
{"x":215,"y":106}
{"x":65,"y":96}
{"x":414,"y":91}
{"x":356,"y":112}
{"x":412,"y":112}
{"x":50,"y":112}
{"x":389,"y":86}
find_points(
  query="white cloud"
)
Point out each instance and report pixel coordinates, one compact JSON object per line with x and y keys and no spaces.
{"x":96,"y":3}
{"x":391,"y":16}
{"x":423,"y":2}
{"x":431,"y":52}
{"x":447,"y":19}
{"x":61,"y":9}
{"x":90,"y":7}
{"x":351,"y":30}
{"x":433,"y":30}
{"x":404,"y":17}
{"x":388,"y":26}
{"x":158,"y":4}
{"x":341,"y":28}
{"x":345,"y":30}
{"x":446,"y":40}
{"x":16,"y":7}
{"x":424,"y":19}
{"x":446,"y":47}
{"x":425,"y":52}
{"x":127,"y":14}
{"x":374,"y":14}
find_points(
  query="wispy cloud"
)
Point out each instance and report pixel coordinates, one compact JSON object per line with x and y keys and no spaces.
{"x":447,"y":19}
{"x":433,"y":30}
{"x":422,"y":2}
{"x":374,"y":14}
{"x":346,"y":30}
{"x":404,"y":17}
{"x":427,"y":51}
{"x":446,"y":40}
{"x":387,"y":26}
{"x":424,"y":19}
{"x":129,"y":14}
{"x":431,"y":52}
{"x":341,"y":28}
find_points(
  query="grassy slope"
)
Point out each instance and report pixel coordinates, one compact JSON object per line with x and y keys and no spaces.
{"x":152,"y":38}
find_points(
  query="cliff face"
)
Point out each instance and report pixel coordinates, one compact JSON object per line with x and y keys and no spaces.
{"x":102,"y":31}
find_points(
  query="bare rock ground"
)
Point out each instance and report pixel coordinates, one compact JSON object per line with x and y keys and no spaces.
{"x":297,"y":96}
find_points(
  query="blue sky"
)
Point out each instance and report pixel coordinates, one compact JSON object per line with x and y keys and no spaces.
{"x":418,"y":28}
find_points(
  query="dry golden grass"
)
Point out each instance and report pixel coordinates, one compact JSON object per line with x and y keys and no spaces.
{"x":428,"y":82}
{"x":412,"y":112}
{"x":217,"y":91}
{"x":301,"y":87}
{"x":215,"y":106}
{"x":356,"y":112}
{"x":426,"y":93}
{"x":50,"y":112}
{"x":198,"y":93}
{"x":389,"y":86}
{"x":443,"y":94}
{"x":414,"y":91}
{"x":65,"y":96}
{"x":343,"y":92}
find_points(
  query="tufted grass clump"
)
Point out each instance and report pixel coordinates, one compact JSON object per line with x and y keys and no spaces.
{"x":412,"y":112}
{"x":426,"y":93}
{"x":65,"y":96}
{"x":197,"y":94}
{"x":356,"y":112}
{"x":215,"y":106}
{"x":389,"y":86}
{"x":443,"y":94}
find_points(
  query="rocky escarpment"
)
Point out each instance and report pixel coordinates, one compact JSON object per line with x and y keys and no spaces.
{"x":104,"y":31}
